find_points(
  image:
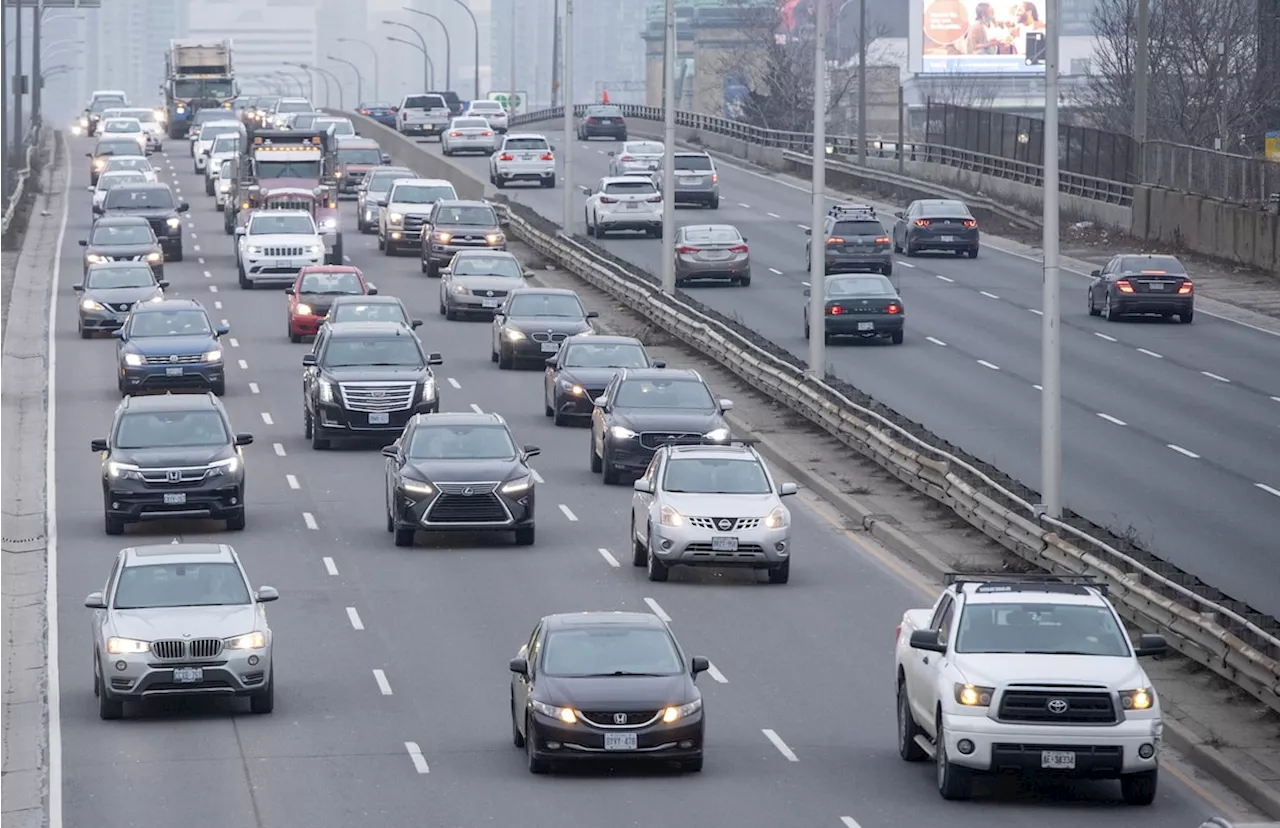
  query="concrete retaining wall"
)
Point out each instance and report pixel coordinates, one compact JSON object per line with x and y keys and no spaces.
{"x":1215,"y":228}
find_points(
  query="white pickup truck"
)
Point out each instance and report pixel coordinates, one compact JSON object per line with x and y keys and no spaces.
{"x":1029,"y":675}
{"x":423,"y":114}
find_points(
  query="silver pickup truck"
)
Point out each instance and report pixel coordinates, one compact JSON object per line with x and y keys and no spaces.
{"x":423,"y":115}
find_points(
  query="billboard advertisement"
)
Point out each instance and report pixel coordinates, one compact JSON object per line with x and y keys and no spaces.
{"x":981,"y":36}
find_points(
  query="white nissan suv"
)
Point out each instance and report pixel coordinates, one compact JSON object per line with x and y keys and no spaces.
{"x":523,"y":157}
{"x":275,"y":244}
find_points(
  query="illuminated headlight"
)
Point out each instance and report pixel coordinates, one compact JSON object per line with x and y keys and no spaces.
{"x":514,"y":335}
{"x":668,"y":516}
{"x":90,"y":305}
{"x":575,"y":390}
{"x":779,"y":518}
{"x":326,"y":391}
{"x":253,"y":250}
{"x":155,"y":257}
{"x":429,"y":388}
{"x":84,"y":122}
{"x":229,"y":466}
{"x":395,"y":218}
{"x":213,"y":356}
{"x":717,"y":435}
{"x":174,"y":222}
{"x":461,"y":289}
{"x":675,"y":714}
{"x":1140,"y":699}
{"x":338,"y":174}
{"x":181,"y":109}
{"x":125,"y":470}
{"x":248,"y":641}
{"x":621,"y":433}
{"x":225,"y":186}
{"x":330,"y":223}
{"x":134,"y":360}
{"x":971,"y":695}
{"x":315,"y":249}
{"x":99,"y":163}
{"x":126,"y":646}
{"x":416,"y":487}
{"x":517,"y":486}
{"x":303,"y":309}
{"x":495,"y":238}
{"x":94,"y":258}
{"x":162,"y":116}
{"x":443,"y":238}
{"x":564,"y":714}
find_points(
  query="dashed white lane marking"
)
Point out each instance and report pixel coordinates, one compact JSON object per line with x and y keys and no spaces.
{"x":1104,"y":336}
{"x":244,"y":366}
{"x":537,"y":478}
{"x":907,"y":264}
{"x":744,"y":206}
{"x":201,"y":260}
{"x":803,"y":226}
{"x":568,"y":513}
{"x":330,"y":566}
{"x":780,"y":745}
{"x":208,"y":274}
{"x":775,"y":271}
{"x":235,"y":343}
{"x":716,"y":675}
{"x":849,"y":822}
{"x":608,"y":557}
{"x":213,"y":288}
{"x":1184,"y":452}
{"x":193,"y":236}
{"x":936,"y":341}
{"x":310,"y":520}
{"x":279,"y":448}
{"x":988,"y":295}
{"x":1111,"y":419}
{"x":226,"y":323}
{"x":354,"y":618}
{"x":1268,"y":489}
{"x":217,"y":305}
{"x":476,"y":408}
{"x":419,"y":761}
{"x":195,"y":247}
{"x":345,"y":257}
{"x":1036,"y":311}
{"x":1038,"y":387}
{"x":384,"y":686}
{"x":253,"y":388}
{"x":986,"y":364}
{"x":943,"y":278}
{"x":1150,"y":353}
{"x":1213,"y":376}
{"x":454,"y":383}
{"x":1275,"y":399}
{"x":657,"y":610}
{"x":773,"y":215}
{"x":266,"y":418}
{"x":292,"y":481}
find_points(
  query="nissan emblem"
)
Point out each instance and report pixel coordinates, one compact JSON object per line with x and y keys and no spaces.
{"x":620,"y":718}
{"x":726,"y":525}
{"x":1057,"y":706}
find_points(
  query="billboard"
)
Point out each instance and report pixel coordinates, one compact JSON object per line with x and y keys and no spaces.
{"x":981,"y":36}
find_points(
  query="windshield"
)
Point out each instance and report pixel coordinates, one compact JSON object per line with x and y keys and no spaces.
{"x":204,"y":88}
{"x":634,"y":186}
{"x":710,"y":475}
{"x":470,"y":123}
{"x":332,"y":283}
{"x":171,"y":429}
{"x":146,"y":116}
{"x":360,"y":156}
{"x":857,"y":228}
{"x":181,"y":585}
{"x":643,"y":148}
{"x":340,"y":126}
{"x":526,"y":144}
{"x":122,"y":125}
{"x":169,"y":323}
{"x":264,"y":224}
{"x":151,"y":197}
{"x":689,"y":394}
{"x":424,"y":102}
{"x":225,"y":143}
{"x":287,"y":169}
{"x":210,"y":131}
{"x":378,"y":312}
{"x":204,"y":116}
{"x":467,"y":216}
{"x":294,"y":106}
{"x":700,"y":163}
{"x":129,"y":147}
{"x":378,"y":105}
{"x":944,"y":209}
{"x":486,"y":106}
{"x":605,"y":355}
{"x":116,"y":178}
{"x":380,"y":181}
{"x":461,"y":442}
{"x":1054,"y":629}
{"x":103,"y":104}
{"x":140,"y":164}
{"x":608,"y":651}
{"x":859,"y":286}
{"x":562,"y":305}
{"x":382,"y":350}
{"x":604,"y":112}
{"x":711,"y":235}
{"x":106,"y":278}
{"x":128,"y":234}
{"x":487,"y":266}
{"x":421,"y":193}
{"x":304,"y":120}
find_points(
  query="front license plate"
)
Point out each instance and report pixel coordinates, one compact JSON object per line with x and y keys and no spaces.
{"x":948,"y":238}
{"x":550,"y":347}
{"x":866,"y":326}
{"x":1057,"y":759}
{"x":188,"y":675}
{"x":283,"y":263}
{"x":173,"y":372}
{"x":379,"y":418}
{"x":175,"y":498}
{"x":620,"y":741}
{"x":489,"y":303}
{"x":724,"y":544}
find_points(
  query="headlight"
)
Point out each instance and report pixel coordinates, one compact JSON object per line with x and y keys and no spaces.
{"x":495,"y":238}
{"x":564,"y":714}
{"x":1141,"y":699}
{"x":84,"y":122}
{"x":315,"y":249}
{"x":98,"y":163}
{"x":675,"y":714}
{"x":174,"y":222}
{"x":326,"y":391}
{"x":429,"y":388}
{"x":134,"y":360}
{"x":443,"y":238}
{"x":303,"y":309}
{"x":668,"y":516}
{"x":514,"y":335}
{"x":161,"y":116}
{"x":213,"y":356}
{"x":159,"y":297}
{"x":517,"y":486}
{"x":125,"y":470}
{"x":155,"y":257}
{"x":330,"y":223}
{"x":123,"y":646}
{"x":90,"y":305}
{"x":717,"y":434}
{"x":94,"y":258}
{"x":253,"y":251}
{"x":778,"y":518}
{"x":621,"y":433}
{"x":248,"y":641}
{"x":462,"y":289}
{"x":575,"y":390}
{"x":394,"y":218}
{"x":225,"y":186}
{"x":416,"y":487}
{"x":229,"y":466}
{"x":970,"y":695}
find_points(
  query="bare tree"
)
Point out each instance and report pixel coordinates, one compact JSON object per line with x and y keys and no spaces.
{"x":1203,"y":80}
{"x":960,"y":89}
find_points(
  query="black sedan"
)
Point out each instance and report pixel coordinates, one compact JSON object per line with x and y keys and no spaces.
{"x":936,"y":224}
{"x":459,"y":472}
{"x":606,"y":687}
{"x":123,"y":239}
{"x":582,"y":370}
{"x":602,"y":121}
{"x":534,"y":322}
{"x":863,"y":306}
{"x":1132,"y":284}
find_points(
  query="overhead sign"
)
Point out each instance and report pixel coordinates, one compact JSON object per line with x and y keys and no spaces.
{"x":513,"y":104}
{"x":1273,"y":146}
{"x":55,"y":4}
{"x":979,"y":36}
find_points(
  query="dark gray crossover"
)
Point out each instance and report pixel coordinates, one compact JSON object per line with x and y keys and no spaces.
{"x":123,"y":239}
{"x":455,"y":226}
{"x":583,"y":369}
{"x":155,"y":203}
{"x":109,"y":291}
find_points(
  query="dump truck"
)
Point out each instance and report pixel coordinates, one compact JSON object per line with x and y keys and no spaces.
{"x":199,"y":76}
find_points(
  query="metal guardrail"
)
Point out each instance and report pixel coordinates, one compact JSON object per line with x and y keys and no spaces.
{"x":1220,"y":175}
{"x":23,"y":175}
{"x":846,"y":146}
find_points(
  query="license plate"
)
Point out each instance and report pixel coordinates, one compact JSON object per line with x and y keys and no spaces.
{"x":550,"y":347}
{"x":526,"y":156}
{"x":866,"y":326}
{"x":283,"y":263}
{"x":379,"y":418}
{"x":173,"y":372}
{"x":948,"y":238}
{"x":717,"y":255}
{"x":691,"y":181}
{"x":188,"y":675}
{"x":489,"y":303}
{"x":620,"y":741}
{"x":633,"y":205}
{"x":175,"y":498}
{"x":1057,"y":759}
{"x":724,"y":544}
{"x":1157,"y":285}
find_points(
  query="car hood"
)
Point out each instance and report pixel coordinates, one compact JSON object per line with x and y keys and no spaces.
{"x":320,"y":302}
{"x":465,"y":230}
{"x":409,"y":209}
{"x":675,"y":420}
{"x":729,"y":506}
{"x":184,"y":622}
{"x":289,"y":240}
{"x":548,"y":324}
{"x":990,"y":669}
{"x":161,"y":458}
{"x":145,"y":212}
{"x":117,"y":295}
{"x":589,"y":377}
{"x":122,"y":249}
{"x":465,"y":471}
{"x":376,"y":373}
{"x":616,"y":693}
{"x":155,"y":345}
{"x":479,"y":284}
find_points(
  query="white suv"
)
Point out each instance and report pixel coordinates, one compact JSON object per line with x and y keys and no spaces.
{"x":204,"y":140}
{"x":523,"y":158}
{"x":275,"y":244}
{"x":624,"y":203}
{"x":1031,"y":675}
{"x":403,"y":213}
{"x":225,"y":147}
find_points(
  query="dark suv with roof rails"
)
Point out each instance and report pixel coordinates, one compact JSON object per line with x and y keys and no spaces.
{"x":157,"y":204}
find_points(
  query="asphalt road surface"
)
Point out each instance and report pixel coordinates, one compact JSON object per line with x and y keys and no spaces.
{"x":392,"y":683}
{"x":1171,"y":433}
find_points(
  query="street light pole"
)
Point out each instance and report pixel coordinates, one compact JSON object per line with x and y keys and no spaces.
{"x":669,"y":148}
{"x":862,"y":82}
{"x":311,"y":81}
{"x":567,"y":83}
{"x":1141,"y":79}
{"x":19,"y":129}
{"x":359,"y":77}
{"x":511,"y":99}
{"x":377,"y":72}
{"x":817,"y":239}
{"x":448,"y":46}
{"x":35,"y":62}
{"x":422,"y":41}
{"x":428,"y":66}
{"x":337,"y":82}
{"x":475,"y":27}
{"x":1051,"y":347}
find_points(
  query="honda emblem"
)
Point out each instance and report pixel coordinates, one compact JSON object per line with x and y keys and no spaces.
{"x":619,"y":718}
{"x":173,"y":475}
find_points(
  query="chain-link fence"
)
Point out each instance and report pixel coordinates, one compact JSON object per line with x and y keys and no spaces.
{"x":1213,"y":174}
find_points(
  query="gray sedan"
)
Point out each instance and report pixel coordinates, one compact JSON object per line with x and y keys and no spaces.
{"x":478,"y":281}
{"x":180,"y":620}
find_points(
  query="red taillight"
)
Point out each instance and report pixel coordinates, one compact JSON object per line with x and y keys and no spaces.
{"x":922,"y":222}
{"x":506,"y":156}
{"x":455,"y":134}
{"x":1123,"y":286}
{"x":626,"y":158}
{"x":686,"y":249}
{"x":742,"y":248}
{"x":546,"y":156}
{"x":364,"y":112}
{"x":1185,"y":288}
{"x":883,"y":240}
{"x":715,"y":178}
{"x":655,"y":198}
{"x":486,"y":134}
{"x":835,"y":240}
{"x":971,"y":223}
{"x":893,"y":309}
{"x":593,"y":120}
{"x":607,"y":200}
{"x":835,"y":310}
{"x":620,"y":120}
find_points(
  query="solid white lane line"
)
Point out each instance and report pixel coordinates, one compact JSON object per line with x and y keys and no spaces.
{"x":310,"y":520}
{"x":773,"y":215}
{"x":253,"y":388}
{"x":943,"y":278}
{"x":476,"y":408}
{"x":537,"y":478}
{"x":1215,"y":377}
{"x":775,"y":271}
{"x":716,"y":675}
{"x":1268,"y":489}
{"x":1184,"y":452}
{"x":1104,"y":336}
{"x":1150,"y":353}
{"x":217,"y":304}
{"x":330,"y":566}
{"x":384,"y":686}
{"x":1111,"y":419}
{"x":988,"y":295}
{"x":279,"y":447}
{"x":1036,"y":311}
{"x":608,"y":558}
{"x":354,"y":618}
{"x":780,"y":745}
{"x":292,"y":481}
{"x":657,"y":610}
{"x":568,"y":513}
{"x":244,"y":366}
{"x":419,"y":761}
{"x":454,"y":383}
{"x":266,"y":418}
{"x":235,"y":343}
{"x":849,"y":822}
{"x":213,"y":288}
{"x":936,"y":341}
{"x":986,"y":364}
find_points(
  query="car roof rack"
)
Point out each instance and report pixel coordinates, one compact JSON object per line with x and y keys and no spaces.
{"x":1026,"y":581}
{"x":849,"y":209}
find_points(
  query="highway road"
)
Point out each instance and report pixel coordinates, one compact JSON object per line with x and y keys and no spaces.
{"x":391,"y":703}
{"x":1171,"y":433}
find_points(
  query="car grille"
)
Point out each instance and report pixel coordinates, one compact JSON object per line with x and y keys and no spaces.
{"x":469,"y":239}
{"x":174,"y":476}
{"x":548,"y":337}
{"x":377,"y":396}
{"x":1082,"y":706}
{"x":124,"y":258}
{"x":174,"y":649}
{"x":467,"y":503}
{"x":413,"y":224}
{"x":654,"y":439}
{"x":159,"y":226}
{"x":745,"y":550}
{"x":632,"y":718}
{"x":489,"y":294}
{"x":175,"y":359}
{"x":283,"y":251}
{"x":729,"y":524}
{"x":289,"y":204}
{"x":120,"y":306}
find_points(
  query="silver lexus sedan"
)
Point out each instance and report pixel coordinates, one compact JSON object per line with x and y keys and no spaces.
{"x":180,"y":620}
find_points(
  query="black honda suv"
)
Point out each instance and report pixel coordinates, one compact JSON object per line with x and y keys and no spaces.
{"x":172,"y":456}
{"x":155,"y":203}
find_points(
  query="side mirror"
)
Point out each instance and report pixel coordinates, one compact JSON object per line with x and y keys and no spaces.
{"x":551,"y":361}
{"x":528,"y":274}
{"x":808,"y":292}
{"x":289,"y":291}
{"x":83,"y":242}
{"x":222,"y":330}
{"x":726,"y":405}
{"x":97,"y":210}
{"x":787,"y":489}
{"x":593,"y":314}
{"x":386,"y":158}
{"x":94,"y":600}
{"x":600,"y":402}
{"x":435,"y":359}
{"x":519,"y":665}
{"x":391,"y":451}
{"x":1151,"y":644}
{"x":643,"y":486}
{"x":162,"y":285}
{"x":371,"y":291}
{"x":611,"y":153}
{"x":240,"y":231}
{"x":266,"y":594}
{"x":119,"y":333}
{"x":927,"y":640}
{"x":89,"y":188}
{"x":446,"y":271}
{"x":587,"y":191}
{"x":531,"y":451}
{"x":553,"y":147}
{"x":78,"y":288}
{"x":417,"y":323}
{"x":659,"y":363}
{"x":244,"y":438}
{"x":98,"y":445}
{"x":900,"y":214}
{"x":184,"y":207}
{"x":308,"y":360}
{"x":381,"y":202}
{"x":88,"y":155}
{"x":698,"y":664}
{"x":1097,"y":274}
{"x":744,"y":238}
{"x":808,"y":232}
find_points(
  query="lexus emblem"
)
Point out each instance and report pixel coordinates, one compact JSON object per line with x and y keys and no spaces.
{"x":1057,"y":706}
{"x":468,"y":491}
{"x":726,"y":525}
{"x":620,"y":718}
{"x":173,"y":475}
{"x":173,"y":357}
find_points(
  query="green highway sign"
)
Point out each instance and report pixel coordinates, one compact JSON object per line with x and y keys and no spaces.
{"x":513,"y":105}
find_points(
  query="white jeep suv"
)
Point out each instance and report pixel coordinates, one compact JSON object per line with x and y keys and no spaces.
{"x":275,"y":244}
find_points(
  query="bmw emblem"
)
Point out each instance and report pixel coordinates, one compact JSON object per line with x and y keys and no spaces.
{"x":725,"y":525}
{"x":1057,"y":706}
{"x":468,"y":492}
{"x":619,"y":718}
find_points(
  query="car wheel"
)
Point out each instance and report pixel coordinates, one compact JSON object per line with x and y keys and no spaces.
{"x":243,"y":278}
{"x":391,"y":521}
{"x":896,"y":337}
{"x":549,"y":183}
{"x":177,"y":254}
{"x":219,"y":389}
{"x":806,"y":329}
{"x":639,"y":555}
{"x":208,"y":186}
{"x":499,"y":182}
{"x":109,"y":708}
{"x":887,"y":270}
{"x":506,"y":359}
{"x":388,"y":249}
{"x":306,"y":424}
{"x":382,"y":243}
{"x":236,"y":522}
{"x":85,"y":333}
{"x":558,"y":418}
{"x":1185,"y":318}
{"x":1093,"y":309}
{"x":612,"y":476}
{"x":714,"y":203}
{"x":404,"y":535}
{"x":547,"y":409}
{"x":954,"y":783}
{"x":693,"y":765}
{"x":596,"y":463}
{"x":1140,"y":788}
{"x":517,"y":738}
{"x":973,"y":252}
{"x":537,"y":763}
{"x":658,"y":571}
{"x":525,"y":536}
{"x":264,"y":701}
{"x":318,"y":441}
{"x":908,"y":730}
{"x":910,"y":250}
{"x":1109,"y":312}
{"x":294,"y":337}
{"x":493,"y":354}
{"x":781,"y":574}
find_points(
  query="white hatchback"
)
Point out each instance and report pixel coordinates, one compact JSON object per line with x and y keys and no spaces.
{"x":523,"y":157}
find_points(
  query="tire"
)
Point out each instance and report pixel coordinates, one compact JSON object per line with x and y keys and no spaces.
{"x":219,"y":207}
{"x":549,"y":183}
{"x":306,"y":424}
{"x":85,"y":333}
{"x":264,"y":702}
{"x":714,"y":203}
{"x":493,"y":355}
{"x":1140,"y":788}
{"x":596,"y":463}
{"x":558,"y":418}
{"x":973,"y":252}
{"x":639,"y":555}
{"x":382,"y":243}
{"x":499,"y":182}
{"x":1108,"y":312}
{"x":1093,"y":310}
{"x":404,"y":536}
{"x":177,"y":255}
{"x":744,"y":281}
{"x":525,"y":536}
{"x":887,"y":270}
{"x":612,"y":476}
{"x":112,"y":525}
{"x":236,"y":522}
{"x":909,"y":249}
{"x":391,"y":521}
{"x":908,"y":730}
{"x":448,"y":312}
{"x":658,"y":571}
{"x":547,"y":410}
{"x":954,"y":783}
{"x":896,"y":337}
{"x":242,"y":279}
{"x":318,"y":442}
{"x":388,"y":249}
{"x":1185,"y":318}
{"x":109,"y":708}
{"x":537,"y":764}
{"x":517,"y":738}
{"x":293,"y":337}
{"x":693,"y":765}
{"x":432,"y":270}
{"x":781,"y":574}
{"x":219,"y":389}
{"x":506,"y":359}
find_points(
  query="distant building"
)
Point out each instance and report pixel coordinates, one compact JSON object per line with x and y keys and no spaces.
{"x":265,"y":35}
{"x":527,"y":28}
{"x":126,"y":41}
{"x":344,"y":18}
{"x":608,"y":56}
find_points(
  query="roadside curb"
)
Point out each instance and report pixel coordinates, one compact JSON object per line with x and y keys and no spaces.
{"x":1252,"y":789}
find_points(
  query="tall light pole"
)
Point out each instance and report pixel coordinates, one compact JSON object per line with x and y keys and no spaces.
{"x":511,"y":99}
{"x":36,"y":49}
{"x":669,"y":55}
{"x":862,"y":82}
{"x":428,"y":66}
{"x":377,"y":72}
{"x":567,"y":41}
{"x":422,"y":42}
{"x":337,"y":82}
{"x":1141,"y":79}
{"x":1051,"y":347}
{"x":475,"y":27}
{"x":448,"y":46}
{"x":817,"y":240}
{"x":359,"y":77}
{"x":311,"y":82}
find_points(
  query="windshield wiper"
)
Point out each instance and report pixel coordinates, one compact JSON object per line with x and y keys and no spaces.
{"x":619,"y":673}
{"x":1060,"y":652}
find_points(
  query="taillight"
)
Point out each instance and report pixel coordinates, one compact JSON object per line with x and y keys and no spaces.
{"x":883,"y":240}
{"x":546,"y":156}
{"x":655,"y":198}
{"x":1185,"y":288}
{"x":1123,"y":286}
{"x":486,"y":134}
{"x":455,"y":134}
{"x":715,"y":178}
{"x":922,"y":222}
{"x":835,"y":310}
{"x":364,"y":112}
{"x":686,"y":249}
{"x":593,"y":120}
{"x":626,"y":158}
{"x":835,"y":240}
{"x":607,"y":200}
{"x":742,"y":248}
{"x":893,"y":309}
{"x":506,"y":156}
{"x":621,"y":120}
{"x":971,"y":223}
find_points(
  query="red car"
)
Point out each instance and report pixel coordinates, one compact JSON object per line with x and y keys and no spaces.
{"x":315,"y":290}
